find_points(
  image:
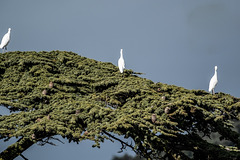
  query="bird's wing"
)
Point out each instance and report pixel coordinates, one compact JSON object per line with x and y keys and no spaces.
{"x":212,"y":83}
{"x":120,"y":64}
{"x":123,"y":63}
{"x":5,"y":40}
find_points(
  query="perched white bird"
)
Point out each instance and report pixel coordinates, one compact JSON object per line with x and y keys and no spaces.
{"x":5,"y":40}
{"x":213,"y":81}
{"x":121,"y":64}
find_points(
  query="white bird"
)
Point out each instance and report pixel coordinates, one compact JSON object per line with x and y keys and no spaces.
{"x":5,"y":40}
{"x":121,"y":64}
{"x":213,"y":81}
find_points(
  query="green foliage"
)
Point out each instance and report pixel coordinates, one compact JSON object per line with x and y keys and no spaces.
{"x":91,"y":100}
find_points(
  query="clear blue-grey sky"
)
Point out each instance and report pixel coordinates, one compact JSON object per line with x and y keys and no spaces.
{"x":175,"y":42}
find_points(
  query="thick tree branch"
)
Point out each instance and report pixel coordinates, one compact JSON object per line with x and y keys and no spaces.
{"x":16,"y":149}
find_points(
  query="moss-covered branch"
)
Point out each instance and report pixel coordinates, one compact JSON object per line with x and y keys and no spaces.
{"x":16,"y":149}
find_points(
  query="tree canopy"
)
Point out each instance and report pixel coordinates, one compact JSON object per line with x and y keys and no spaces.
{"x":63,"y":93}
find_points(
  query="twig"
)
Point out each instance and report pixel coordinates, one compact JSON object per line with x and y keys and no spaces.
{"x":23,"y":157}
{"x":46,"y":141}
{"x":124,"y":144}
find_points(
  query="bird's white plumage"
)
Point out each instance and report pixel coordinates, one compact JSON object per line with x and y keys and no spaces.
{"x":213,"y":82}
{"x":5,"y":40}
{"x":121,"y":63}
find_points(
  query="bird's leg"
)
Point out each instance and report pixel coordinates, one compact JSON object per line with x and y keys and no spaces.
{"x":5,"y":49}
{"x":213,"y":91}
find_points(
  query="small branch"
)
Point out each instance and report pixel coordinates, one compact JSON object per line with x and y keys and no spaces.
{"x":23,"y":157}
{"x":46,"y":141}
{"x":124,"y":144}
{"x":57,"y":139}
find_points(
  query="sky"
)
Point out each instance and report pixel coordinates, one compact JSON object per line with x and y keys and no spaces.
{"x":177,"y":42}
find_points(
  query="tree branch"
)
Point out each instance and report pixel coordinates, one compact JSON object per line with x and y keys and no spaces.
{"x":16,"y":149}
{"x":47,"y":141}
{"x":23,"y":157}
{"x":124,"y":144}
